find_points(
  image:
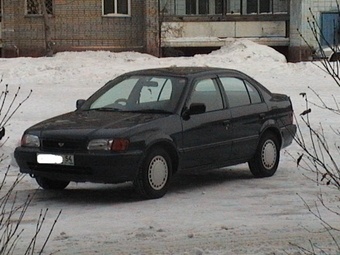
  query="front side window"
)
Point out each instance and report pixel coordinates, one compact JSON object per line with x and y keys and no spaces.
{"x":117,"y":7}
{"x":206,"y":91}
{"x":35,"y":7}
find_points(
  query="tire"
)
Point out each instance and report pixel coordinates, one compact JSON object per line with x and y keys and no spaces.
{"x":267,"y":156}
{"x":47,"y":183}
{"x":154,"y":175}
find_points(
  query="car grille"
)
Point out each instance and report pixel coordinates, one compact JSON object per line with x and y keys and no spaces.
{"x":62,"y":144}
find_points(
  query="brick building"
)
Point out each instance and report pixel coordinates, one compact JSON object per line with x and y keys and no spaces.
{"x":158,"y":26}
{"x":74,"y":25}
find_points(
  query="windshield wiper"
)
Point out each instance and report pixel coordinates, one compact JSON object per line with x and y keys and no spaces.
{"x":153,"y":111}
{"x":109,"y":109}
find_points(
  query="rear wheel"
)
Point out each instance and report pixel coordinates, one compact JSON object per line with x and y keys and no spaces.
{"x":267,"y":156}
{"x":47,"y":183}
{"x":155,"y":174}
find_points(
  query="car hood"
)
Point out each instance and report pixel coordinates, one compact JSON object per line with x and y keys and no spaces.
{"x":83,"y":124}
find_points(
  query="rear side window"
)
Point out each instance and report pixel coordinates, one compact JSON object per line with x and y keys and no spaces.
{"x":239,"y":92}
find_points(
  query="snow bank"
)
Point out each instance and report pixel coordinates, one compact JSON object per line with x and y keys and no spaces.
{"x":218,"y":212}
{"x":246,"y":50}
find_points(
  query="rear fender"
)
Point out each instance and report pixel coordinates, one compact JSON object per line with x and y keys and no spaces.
{"x":271,"y":126}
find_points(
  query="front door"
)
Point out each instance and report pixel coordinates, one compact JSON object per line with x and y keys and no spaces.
{"x":206,"y":136}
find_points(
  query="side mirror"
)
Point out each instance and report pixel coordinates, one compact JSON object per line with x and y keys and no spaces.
{"x":80,"y":103}
{"x":197,"y":108}
{"x":194,"y":109}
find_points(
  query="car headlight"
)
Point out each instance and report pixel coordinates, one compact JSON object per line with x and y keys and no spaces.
{"x":108,"y":145}
{"x":30,"y":141}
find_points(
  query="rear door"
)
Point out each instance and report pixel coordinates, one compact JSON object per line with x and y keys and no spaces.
{"x":248,"y":112}
{"x":206,"y":136}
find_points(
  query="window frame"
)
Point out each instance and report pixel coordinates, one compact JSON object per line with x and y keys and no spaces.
{"x":50,"y":11}
{"x":116,"y":14}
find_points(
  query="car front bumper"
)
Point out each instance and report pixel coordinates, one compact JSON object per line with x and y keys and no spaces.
{"x":99,"y":167}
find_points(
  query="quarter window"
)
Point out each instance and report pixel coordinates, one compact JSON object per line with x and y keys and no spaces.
{"x":116,"y":7}
{"x":206,"y":91}
{"x":34,"y":7}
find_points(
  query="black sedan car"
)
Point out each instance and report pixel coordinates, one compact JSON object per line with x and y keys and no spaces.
{"x":145,"y":126}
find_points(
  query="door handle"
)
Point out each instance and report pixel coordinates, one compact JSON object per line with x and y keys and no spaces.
{"x":226,"y":123}
{"x":262,"y":116}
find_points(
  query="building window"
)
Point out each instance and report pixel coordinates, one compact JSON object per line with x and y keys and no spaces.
{"x":259,"y":6}
{"x":117,"y":7}
{"x":197,"y":7}
{"x":33,"y":7}
{"x":223,"y":7}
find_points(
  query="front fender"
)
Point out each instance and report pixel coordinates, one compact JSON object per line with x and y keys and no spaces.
{"x":166,"y":142}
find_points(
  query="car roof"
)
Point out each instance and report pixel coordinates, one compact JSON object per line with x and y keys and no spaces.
{"x":183,"y":71}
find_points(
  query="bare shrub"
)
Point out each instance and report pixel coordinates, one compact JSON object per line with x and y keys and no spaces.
{"x":320,"y":152}
{"x":12,"y":210}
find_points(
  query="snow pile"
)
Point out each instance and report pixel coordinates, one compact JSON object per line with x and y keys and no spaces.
{"x":246,"y":50}
{"x":219,"y":212}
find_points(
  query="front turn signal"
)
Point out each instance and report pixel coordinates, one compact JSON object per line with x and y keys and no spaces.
{"x":120,"y":145}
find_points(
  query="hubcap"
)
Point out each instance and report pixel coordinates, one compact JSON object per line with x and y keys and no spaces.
{"x":158,"y":172}
{"x":269,"y":154}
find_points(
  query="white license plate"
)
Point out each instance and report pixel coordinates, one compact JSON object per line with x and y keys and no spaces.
{"x":67,"y":160}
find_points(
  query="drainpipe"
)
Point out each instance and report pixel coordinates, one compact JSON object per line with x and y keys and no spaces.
{"x":159,"y":29}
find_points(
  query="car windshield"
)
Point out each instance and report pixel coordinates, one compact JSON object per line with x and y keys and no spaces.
{"x":152,"y":94}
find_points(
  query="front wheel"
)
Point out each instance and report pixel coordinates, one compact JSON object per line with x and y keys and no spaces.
{"x":47,"y":183}
{"x":267,"y":156}
{"x":154,"y":175}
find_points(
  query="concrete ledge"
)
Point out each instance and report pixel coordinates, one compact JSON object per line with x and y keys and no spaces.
{"x":219,"y":42}
{"x":96,"y":48}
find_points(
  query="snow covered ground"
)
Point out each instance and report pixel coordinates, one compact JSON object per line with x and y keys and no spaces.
{"x":223,"y":211}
